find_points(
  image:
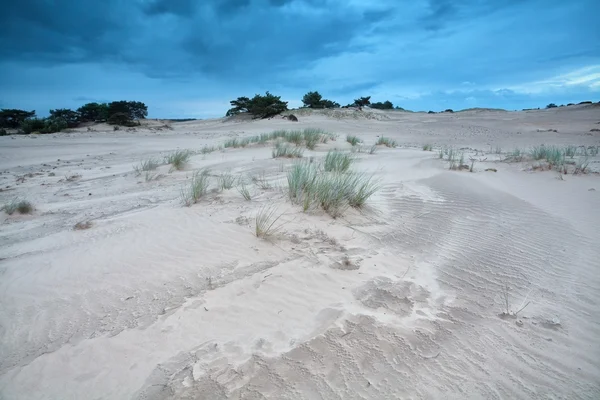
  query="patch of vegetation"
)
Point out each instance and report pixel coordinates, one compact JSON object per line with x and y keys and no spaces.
{"x":383,"y":141}
{"x":226,"y":181}
{"x":265,"y":221}
{"x":196,"y":188}
{"x":315,"y":100}
{"x":18,"y":205}
{"x":244,"y":191}
{"x":427,"y":147}
{"x":83,"y":225}
{"x":178,"y":159}
{"x":260,"y":106}
{"x":149,"y":164}
{"x":551,"y":105}
{"x":353,"y":140}
{"x":336,"y":161}
{"x":287,"y":151}
{"x":386,"y":105}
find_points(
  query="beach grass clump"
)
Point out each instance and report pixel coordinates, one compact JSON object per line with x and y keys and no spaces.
{"x":387,"y":142}
{"x":226,"y":181}
{"x":336,"y":161}
{"x":313,"y":136}
{"x":18,"y":205}
{"x":149,"y":164}
{"x":427,"y":147}
{"x":178,"y":159}
{"x":516,"y":155}
{"x":285,"y":150}
{"x":353,"y":140}
{"x":265,"y":222}
{"x":570,"y":151}
{"x":244,"y":190}
{"x":196,"y":188}
{"x":311,"y":186}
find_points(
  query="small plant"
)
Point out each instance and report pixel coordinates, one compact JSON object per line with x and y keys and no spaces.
{"x":516,"y":155}
{"x":265,"y":221}
{"x":226,"y":181}
{"x":593,"y":150}
{"x":146,"y":165}
{"x":361,"y":188}
{"x":312,"y":137}
{"x":507,"y":309}
{"x":18,"y":205}
{"x":83,"y":225}
{"x":570,"y":151}
{"x":353,"y":140}
{"x":336,"y":161}
{"x":196,"y":189}
{"x":178,"y":159}
{"x":427,"y":147}
{"x":386,"y":142}
{"x":581,"y":166}
{"x":244,"y":191}
{"x":441,"y":154}
{"x":261,"y":181}
{"x":284,"y":150}
{"x":208,"y":149}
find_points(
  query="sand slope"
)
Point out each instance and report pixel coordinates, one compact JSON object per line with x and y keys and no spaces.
{"x":402,"y":299}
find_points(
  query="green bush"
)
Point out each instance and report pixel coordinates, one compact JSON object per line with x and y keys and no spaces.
{"x":259,"y":106}
{"x":120,"y":118}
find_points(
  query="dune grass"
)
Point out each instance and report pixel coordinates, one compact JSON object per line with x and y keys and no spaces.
{"x":427,"y":147}
{"x":310,"y":186}
{"x":353,"y":140}
{"x":196,"y":188}
{"x":286,"y":150}
{"x":570,"y":151}
{"x":149,"y":164}
{"x":383,"y":141}
{"x":18,"y":205}
{"x":244,"y":191}
{"x":226,"y":181}
{"x":336,"y":161}
{"x":178,"y":159}
{"x":266,"y":218}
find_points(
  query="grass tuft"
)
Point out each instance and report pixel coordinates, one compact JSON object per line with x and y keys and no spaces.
{"x":18,"y":205}
{"x":285,"y":150}
{"x":336,"y":161}
{"x":427,"y":147}
{"x":226,"y":181}
{"x":353,"y":140}
{"x":386,"y":142}
{"x":178,"y":159}
{"x":266,"y":218}
{"x":196,"y":188}
{"x":149,"y":164}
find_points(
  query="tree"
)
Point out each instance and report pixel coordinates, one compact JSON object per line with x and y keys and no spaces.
{"x":330,"y":104}
{"x":70,"y":117}
{"x":386,"y":105}
{"x":133,"y":109}
{"x":312,"y":100}
{"x":266,"y":106}
{"x":13,"y":118}
{"x":551,"y":105}
{"x":92,"y":112}
{"x":240,"y":105}
{"x":120,"y":118}
{"x":362,"y":102}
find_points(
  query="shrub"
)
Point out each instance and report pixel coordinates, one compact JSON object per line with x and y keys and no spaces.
{"x":551,"y":105}
{"x":427,"y":147}
{"x":292,"y":118}
{"x":386,"y":105}
{"x":259,"y":106}
{"x":362,"y":102}
{"x":33,"y":125}
{"x":13,"y":118}
{"x":70,"y":117}
{"x":3,"y":132}
{"x":21,"y":206}
{"x":336,"y":161}
{"x":448,"y":110}
{"x":120,"y":119}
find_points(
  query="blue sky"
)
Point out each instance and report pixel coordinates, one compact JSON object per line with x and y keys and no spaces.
{"x":187,"y":58}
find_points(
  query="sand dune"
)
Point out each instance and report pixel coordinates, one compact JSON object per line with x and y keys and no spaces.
{"x":401,"y":299}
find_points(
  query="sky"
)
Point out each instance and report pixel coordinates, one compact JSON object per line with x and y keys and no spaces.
{"x":189,"y":58}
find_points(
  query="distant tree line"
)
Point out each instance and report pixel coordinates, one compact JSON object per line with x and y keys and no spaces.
{"x":115,"y":113}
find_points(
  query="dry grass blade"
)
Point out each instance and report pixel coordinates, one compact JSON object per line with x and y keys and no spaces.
{"x":266,"y":218}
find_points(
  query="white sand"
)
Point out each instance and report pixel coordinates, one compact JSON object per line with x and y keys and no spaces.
{"x":160,"y":301}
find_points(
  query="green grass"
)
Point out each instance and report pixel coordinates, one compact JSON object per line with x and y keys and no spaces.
{"x":581,"y":166}
{"x":441,"y":154}
{"x":516,"y":155}
{"x":334,"y":192}
{"x":383,"y":141}
{"x":353,"y":140}
{"x":18,"y":205}
{"x":312,"y":137}
{"x":427,"y":147}
{"x":196,"y":188}
{"x":226,"y":181}
{"x":285,"y":150}
{"x":265,"y":221}
{"x":149,"y":164}
{"x":593,"y":150}
{"x":208,"y":149}
{"x":336,"y":161}
{"x":570,"y":151}
{"x":261,"y":181}
{"x":178,"y":159}
{"x":244,"y":191}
